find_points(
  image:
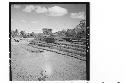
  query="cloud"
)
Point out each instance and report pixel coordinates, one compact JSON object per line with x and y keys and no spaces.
{"x":79,"y":15}
{"x":51,"y":11}
{"x":16,"y":6}
{"x":29,"y":8}
{"x":40,"y":9}
{"x":57,"y":11}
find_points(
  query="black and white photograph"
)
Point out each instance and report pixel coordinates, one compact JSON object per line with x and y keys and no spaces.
{"x":49,"y":41}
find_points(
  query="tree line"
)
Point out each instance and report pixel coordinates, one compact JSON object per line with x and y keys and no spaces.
{"x":78,"y":32}
{"x":22,"y":34}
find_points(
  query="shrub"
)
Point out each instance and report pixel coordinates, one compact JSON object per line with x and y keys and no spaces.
{"x":49,"y":40}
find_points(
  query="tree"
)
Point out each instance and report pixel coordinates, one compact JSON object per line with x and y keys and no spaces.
{"x":81,"y":29}
{"x":14,"y":33}
{"x":47,"y":31}
{"x":70,"y":33}
{"x":61,"y":33}
{"x":32,"y":34}
{"x":78,"y":32}
{"x":23,"y":34}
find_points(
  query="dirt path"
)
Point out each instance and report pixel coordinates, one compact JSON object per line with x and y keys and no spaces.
{"x":29,"y":63}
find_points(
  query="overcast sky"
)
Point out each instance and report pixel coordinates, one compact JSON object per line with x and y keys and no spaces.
{"x":34,"y":17}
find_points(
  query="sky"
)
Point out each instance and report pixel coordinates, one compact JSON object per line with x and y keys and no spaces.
{"x":34,"y":17}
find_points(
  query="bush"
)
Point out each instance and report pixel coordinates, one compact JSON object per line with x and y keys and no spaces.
{"x":49,"y":40}
{"x":68,"y":39}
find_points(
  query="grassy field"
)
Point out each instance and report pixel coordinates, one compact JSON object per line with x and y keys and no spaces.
{"x":30,"y":63}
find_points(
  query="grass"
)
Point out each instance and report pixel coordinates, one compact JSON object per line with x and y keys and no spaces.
{"x":35,"y":64}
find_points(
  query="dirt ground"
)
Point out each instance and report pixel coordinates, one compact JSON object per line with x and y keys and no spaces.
{"x":32,"y":64}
